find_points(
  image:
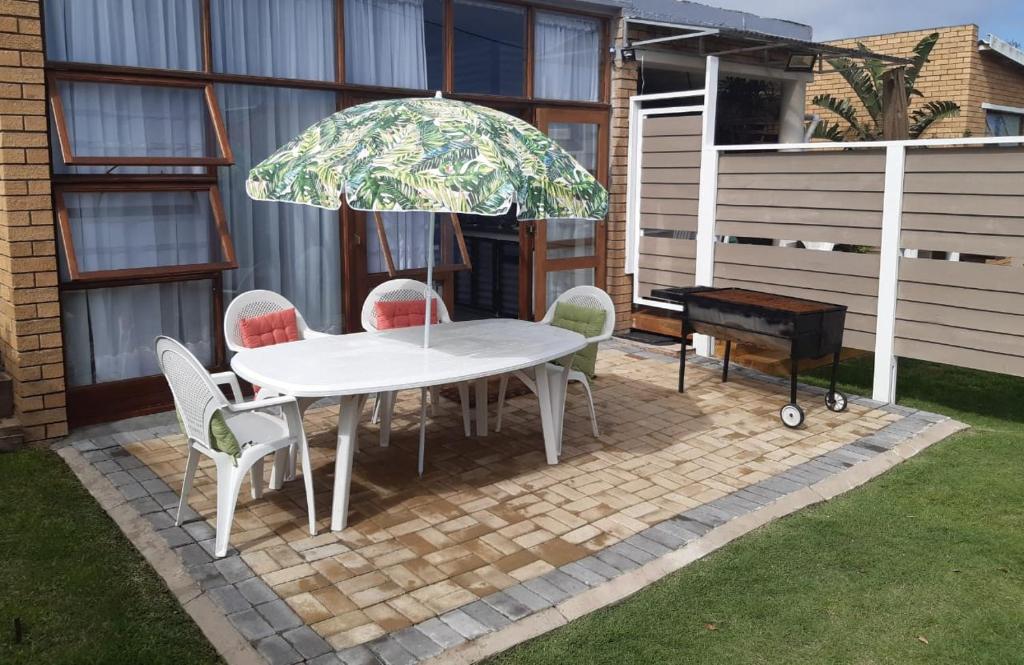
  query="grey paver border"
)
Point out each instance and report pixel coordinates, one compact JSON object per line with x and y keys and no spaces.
{"x":247,"y":622}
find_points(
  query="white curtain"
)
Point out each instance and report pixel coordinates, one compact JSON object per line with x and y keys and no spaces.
{"x":138,"y":33}
{"x":293,"y":39}
{"x":567,"y":54}
{"x":385,"y":45}
{"x":292,"y":249}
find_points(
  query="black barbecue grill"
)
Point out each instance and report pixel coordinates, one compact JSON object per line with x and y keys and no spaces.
{"x":806,"y":328}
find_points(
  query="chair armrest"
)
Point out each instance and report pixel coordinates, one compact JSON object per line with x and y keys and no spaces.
{"x":314,"y":334}
{"x":228,"y":378}
{"x":256,"y":405}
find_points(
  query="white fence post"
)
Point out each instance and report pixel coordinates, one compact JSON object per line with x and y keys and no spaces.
{"x":708,"y":197}
{"x":884,"y":387}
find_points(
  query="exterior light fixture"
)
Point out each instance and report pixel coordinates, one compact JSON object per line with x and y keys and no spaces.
{"x":801,"y":62}
{"x":628,"y":54}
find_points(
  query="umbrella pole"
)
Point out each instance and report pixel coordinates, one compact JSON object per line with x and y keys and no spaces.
{"x":430,"y":282}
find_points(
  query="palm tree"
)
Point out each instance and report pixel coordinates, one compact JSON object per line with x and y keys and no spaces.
{"x":866,"y":81}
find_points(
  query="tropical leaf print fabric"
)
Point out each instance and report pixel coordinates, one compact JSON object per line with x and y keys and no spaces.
{"x":433,"y":155}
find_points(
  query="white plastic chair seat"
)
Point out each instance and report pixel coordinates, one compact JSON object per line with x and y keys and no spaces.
{"x":254,"y":426}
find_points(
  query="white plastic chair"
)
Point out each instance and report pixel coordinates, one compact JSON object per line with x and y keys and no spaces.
{"x":401,"y":290}
{"x":260,"y":433}
{"x":590,"y":297}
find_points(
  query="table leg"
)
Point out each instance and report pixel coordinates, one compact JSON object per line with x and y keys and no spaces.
{"x":480,"y":386}
{"x":551,"y":387}
{"x":348,"y":422}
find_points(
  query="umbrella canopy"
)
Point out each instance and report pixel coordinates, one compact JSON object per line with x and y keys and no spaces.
{"x":429,"y":155}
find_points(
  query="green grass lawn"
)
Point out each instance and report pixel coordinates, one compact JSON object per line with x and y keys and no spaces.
{"x":923,"y":565}
{"x":82,"y":592}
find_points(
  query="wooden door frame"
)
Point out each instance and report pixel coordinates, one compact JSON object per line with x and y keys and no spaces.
{"x":543,"y":117}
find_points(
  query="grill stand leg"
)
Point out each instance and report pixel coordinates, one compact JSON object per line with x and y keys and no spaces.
{"x":835,"y":370}
{"x":725,"y":364}
{"x":682,"y":354}
{"x":793,"y":366}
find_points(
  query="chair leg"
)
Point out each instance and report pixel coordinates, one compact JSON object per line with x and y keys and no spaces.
{"x":502,"y":386}
{"x":229,"y":480}
{"x":435,"y":399}
{"x":186,"y":487}
{"x":280,"y":468}
{"x":423,"y":430}
{"x":307,"y":479}
{"x":375,"y":418}
{"x":464,"y":399}
{"x":590,"y":402}
{"x":387,"y":411}
{"x":256,"y":479}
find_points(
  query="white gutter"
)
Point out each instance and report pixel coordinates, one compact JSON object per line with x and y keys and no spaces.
{"x":1003,"y":48}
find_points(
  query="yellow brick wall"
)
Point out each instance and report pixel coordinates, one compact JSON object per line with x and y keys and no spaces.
{"x":946,"y":77}
{"x":30,"y":334}
{"x":994,"y":80}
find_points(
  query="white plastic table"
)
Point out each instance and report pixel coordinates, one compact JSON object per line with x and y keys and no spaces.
{"x":358,"y":365}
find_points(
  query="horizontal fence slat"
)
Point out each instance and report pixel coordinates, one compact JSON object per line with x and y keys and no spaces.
{"x":969,"y":299}
{"x":871,"y":201}
{"x":951,"y":355}
{"x":799,"y":278}
{"x":996,"y":159}
{"x":808,"y":232}
{"x":668,"y":206}
{"x":964,"y":204}
{"x":825,"y":182}
{"x":794,"y":258}
{"x":815,"y":216}
{"x":667,"y":263}
{"x":687,"y":176}
{"x":666,"y":277}
{"x":673,"y":125}
{"x":1008,"y":226}
{"x":668,"y":222}
{"x":681,"y":144}
{"x":658,"y":160}
{"x":979,"y":276}
{"x":964,"y":338}
{"x":989,"y":184}
{"x":668,"y":247}
{"x":951,"y":315}
{"x":656,"y":191}
{"x":966,"y":243}
{"x":810,"y":162}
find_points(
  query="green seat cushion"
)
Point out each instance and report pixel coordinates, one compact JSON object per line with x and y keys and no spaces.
{"x":588,"y":322}
{"x":221,"y":437}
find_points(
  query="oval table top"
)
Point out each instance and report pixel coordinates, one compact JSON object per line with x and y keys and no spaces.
{"x":365,"y":363}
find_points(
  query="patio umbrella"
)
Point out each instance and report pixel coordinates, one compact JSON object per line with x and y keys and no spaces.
{"x":429,"y":155}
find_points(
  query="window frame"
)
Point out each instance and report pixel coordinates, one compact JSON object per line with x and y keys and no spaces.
{"x":446,"y":266}
{"x":53,"y":79}
{"x":128,"y":276}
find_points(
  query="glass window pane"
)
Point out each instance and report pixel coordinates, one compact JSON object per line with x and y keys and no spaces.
{"x":292,"y":249}
{"x":490,"y":48}
{"x":118,"y":120}
{"x":568,"y":238}
{"x":562,"y":280}
{"x":135,"y":33}
{"x":109,"y":333}
{"x":578,"y":139}
{"x":121,"y":230}
{"x":407,"y":235}
{"x":292,"y":39}
{"x":394,"y":43}
{"x":567,"y":57}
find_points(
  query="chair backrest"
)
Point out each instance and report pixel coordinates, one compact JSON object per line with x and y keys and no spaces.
{"x":590,"y":297}
{"x":196,"y":397}
{"x":394,"y":290}
{"x":255,"y":303}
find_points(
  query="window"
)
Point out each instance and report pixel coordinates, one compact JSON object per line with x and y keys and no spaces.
{"x":147,"y":121}
{"x":293,"y":39}
{"x":403,"y":243}
{"x":119,"y":233}
{"x":567,"y":52}
{"x":135,"y":33}
{"x":1003,"y":123}
{"x":490,"y":48}
{"x":394,"y":43}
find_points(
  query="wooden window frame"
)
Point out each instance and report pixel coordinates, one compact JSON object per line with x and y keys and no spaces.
{"x":446,"y":265}
{"x":54,"y":78}
{"x":135,"y":275}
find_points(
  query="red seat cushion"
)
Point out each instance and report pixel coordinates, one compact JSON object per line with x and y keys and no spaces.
{"x":269,"y":329}
{"x":403,"y":313}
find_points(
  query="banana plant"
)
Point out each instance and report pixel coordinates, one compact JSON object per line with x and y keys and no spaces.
{"x":865,"y":79}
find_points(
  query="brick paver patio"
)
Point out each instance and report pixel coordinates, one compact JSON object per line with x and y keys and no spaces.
{"x":491,"y":533}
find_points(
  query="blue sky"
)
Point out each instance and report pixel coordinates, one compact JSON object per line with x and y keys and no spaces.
{"x":832,"y":19}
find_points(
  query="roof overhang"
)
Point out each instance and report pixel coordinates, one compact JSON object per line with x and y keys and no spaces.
{"x":749,"y":41}
{"x":1003,"y":48}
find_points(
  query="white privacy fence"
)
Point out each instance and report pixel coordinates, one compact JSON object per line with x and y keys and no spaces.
{"x":928,"y":235}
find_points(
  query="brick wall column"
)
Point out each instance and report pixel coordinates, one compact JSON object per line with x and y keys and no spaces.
{"x":620,"y":285}
{"x":30,"y":336}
